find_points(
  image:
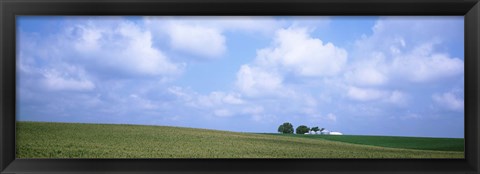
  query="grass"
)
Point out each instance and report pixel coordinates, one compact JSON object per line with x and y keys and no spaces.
{"x":420,"y":143}
{"x":74,"y":140}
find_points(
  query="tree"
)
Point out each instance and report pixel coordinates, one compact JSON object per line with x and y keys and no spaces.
{"x":315,"y":129}
{"x":302,"y":129}
{"x":286,"y":128}
{"x":280,"y":128}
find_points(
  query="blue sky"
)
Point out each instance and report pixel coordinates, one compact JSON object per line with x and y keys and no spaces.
{"x":401,"y":76}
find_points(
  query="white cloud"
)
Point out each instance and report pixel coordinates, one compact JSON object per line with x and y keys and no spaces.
{"x":205,"y":36}
{"x":120,"y":45}
{"x":180,"y":93}
{"x":88,"y":54}
{"x":71,"y":78}
{"x":393,"y":34}
{"x":365,"y":94}
{"x":369,"y":76}
{"x":254,"y":110}
{"x":264,"y":118}
{"x":233,"y":98}
{"x":331,"y":117}
{"x":400,"y":54}
{"x":221,"y":104}
{"x":222,"y":113}
{"x":293,"y":51}
{"x":253,"y":24}
{"x":218,"y":98}
{"x":423,"y":65}
{"x":398,"y":97}
{"x":214,"y":99}
{"x":199,"y":40}
{"x":371,"y":72}
{"x":310,"y":101}
{"x":55,"y":82}
{"x":142,"y":102}
{"x":315,"y":116}
{"x":372,"y":94}
{"x":449,"y":100}
{"x":306,"y":56}
{"x":88,"y":39}
{"x":256,"y":24}
{"x":405,"y":48}
{"x":255,"y":81}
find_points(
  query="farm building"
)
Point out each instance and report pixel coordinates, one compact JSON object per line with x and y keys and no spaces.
{"x":327,"y":132}
{"x":312,"y":132}
{"x":336,"y":133}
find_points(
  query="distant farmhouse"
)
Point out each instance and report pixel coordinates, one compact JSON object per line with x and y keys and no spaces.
{"x":312,"y":132}
{"x":324,"y":132}
{"x":335,"y":133}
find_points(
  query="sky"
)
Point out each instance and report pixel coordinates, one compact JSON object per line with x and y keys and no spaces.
{"x":371,"y":75}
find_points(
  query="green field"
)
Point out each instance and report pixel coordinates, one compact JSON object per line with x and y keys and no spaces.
{"x":420,"y":143}
{"x":74,"y":140}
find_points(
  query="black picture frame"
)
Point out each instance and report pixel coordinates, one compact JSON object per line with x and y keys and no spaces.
{"x":9,"y":9}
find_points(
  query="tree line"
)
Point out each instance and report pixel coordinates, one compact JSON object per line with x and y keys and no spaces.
{"x":287,"y":128}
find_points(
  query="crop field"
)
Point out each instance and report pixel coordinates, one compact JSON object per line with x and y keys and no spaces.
{"x":75,"y":140}
{"x":421,"y":143}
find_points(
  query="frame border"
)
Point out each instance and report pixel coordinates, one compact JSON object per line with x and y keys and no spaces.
{"x":470,"y":9}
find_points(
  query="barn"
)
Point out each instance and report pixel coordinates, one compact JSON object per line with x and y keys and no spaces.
{"x":325,"y":132}
{"x":336,"y":133}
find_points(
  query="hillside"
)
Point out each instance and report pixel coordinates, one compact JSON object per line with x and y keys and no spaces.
{"x":75,"y":140}
{"x":420,"y":143}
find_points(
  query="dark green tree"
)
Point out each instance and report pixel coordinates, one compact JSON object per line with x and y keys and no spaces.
{"x":316,"y":129}
{"x":286,"y":128}
{"x":280,"y":128}
{"x":302,"y":129}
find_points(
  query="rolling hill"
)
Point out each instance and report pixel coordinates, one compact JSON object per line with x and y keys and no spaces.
{"x":77,"y":140}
